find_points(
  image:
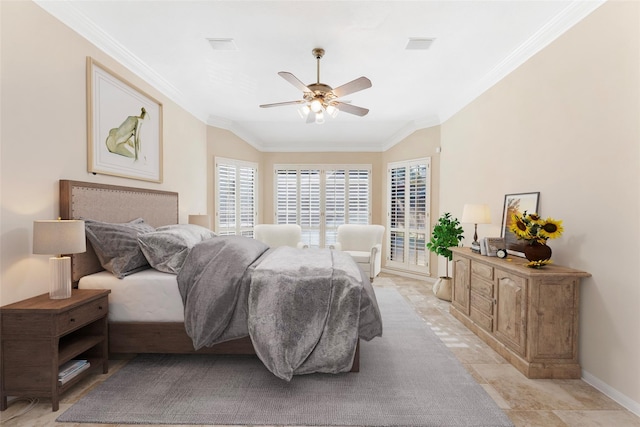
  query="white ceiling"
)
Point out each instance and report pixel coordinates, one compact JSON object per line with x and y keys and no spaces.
{"x":476,"y":44}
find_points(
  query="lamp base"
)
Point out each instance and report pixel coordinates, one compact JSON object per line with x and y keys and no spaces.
{"x":60,"y":280}
{"x":475,"y":247}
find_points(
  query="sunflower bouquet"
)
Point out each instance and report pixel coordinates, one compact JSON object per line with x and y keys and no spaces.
{"x":532,"y":228}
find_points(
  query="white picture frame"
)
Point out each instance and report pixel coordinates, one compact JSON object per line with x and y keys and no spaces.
{"x":124,"y":127}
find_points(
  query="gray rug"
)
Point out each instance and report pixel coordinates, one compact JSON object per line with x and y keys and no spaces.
{"x":407,"y":378}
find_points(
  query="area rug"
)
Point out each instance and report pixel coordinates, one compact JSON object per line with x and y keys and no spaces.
{"x":407,"y":378}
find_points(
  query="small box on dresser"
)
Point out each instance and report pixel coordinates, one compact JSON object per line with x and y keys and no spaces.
{"x":38,"y":335}
{"x":529,"y":316}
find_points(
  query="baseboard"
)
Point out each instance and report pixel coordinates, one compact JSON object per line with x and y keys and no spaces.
{"x":614,"y":394}
{"x":408,"y":274}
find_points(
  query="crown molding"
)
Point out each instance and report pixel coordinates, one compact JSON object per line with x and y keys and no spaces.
{"x":573,"y":13}
{"x":68,"y":14}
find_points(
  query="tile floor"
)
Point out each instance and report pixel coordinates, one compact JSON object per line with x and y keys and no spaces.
{"x":545,"y":403}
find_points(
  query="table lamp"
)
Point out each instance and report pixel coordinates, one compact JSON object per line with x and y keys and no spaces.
{"x":476,"y":214}
{"x":201,"y":220}
{"x":58,"y":237}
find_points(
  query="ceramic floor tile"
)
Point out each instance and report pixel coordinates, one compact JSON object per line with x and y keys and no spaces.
{"x":599,"y":418}
{"x":535,"y":419}
{"x":527,"y":394}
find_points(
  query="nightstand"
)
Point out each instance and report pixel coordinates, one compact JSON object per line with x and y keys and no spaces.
{"x":39,"y":334}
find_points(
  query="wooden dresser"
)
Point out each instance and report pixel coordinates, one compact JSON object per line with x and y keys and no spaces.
{"x":529,"y":316}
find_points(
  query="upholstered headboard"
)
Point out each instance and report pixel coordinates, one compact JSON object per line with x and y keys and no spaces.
{"x":112,"y":203}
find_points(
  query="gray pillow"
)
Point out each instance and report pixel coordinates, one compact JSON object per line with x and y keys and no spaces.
{"x":116,"y":245}
{"x":167,"y":248}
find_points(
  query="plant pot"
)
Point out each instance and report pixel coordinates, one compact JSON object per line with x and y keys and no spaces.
{"x":537,"y":252}
{"x":442,"y":288}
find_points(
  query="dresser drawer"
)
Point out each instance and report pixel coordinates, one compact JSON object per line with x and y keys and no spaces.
{"x":482,"y":320}
{"x":482,"y":270}
{"x":80,"y":316}
{"x":482,"y":304}
{"x":482,"y":287}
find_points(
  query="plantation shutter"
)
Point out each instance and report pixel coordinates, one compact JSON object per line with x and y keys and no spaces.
{"x":319,"y":198}
{"x":408,"y":185}
{"x":236,"y":197}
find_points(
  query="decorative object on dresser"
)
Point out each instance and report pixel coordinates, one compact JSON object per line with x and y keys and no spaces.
{"x":446,"y":233}
{"x":528,"y":316}
{"x":39,"y":336}
{"x":516,"y":203}
{"x":534,"y":230}
{"x":59,"y":237}
{"x":476,"y":214}
{"x":492,"y":245}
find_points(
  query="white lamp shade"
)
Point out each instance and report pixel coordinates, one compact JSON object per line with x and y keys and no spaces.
{"x":56,"y":237}
{"x":476,"y":214}
{"x":201,"y":220}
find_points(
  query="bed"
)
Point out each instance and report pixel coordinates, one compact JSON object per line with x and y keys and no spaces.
{"x":137,"y":324}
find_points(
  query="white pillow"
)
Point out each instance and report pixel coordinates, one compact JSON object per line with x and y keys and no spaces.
{"x":167,"y":248}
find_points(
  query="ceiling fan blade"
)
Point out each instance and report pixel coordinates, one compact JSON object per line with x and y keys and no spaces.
{"x":351,"y":87}
{"x":351,"y":109}
{"x":278,"y":104}
{"x":294,"y":81}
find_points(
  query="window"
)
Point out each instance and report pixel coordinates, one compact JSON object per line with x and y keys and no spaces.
{"x":321,"y":197}
{"x":236,"y":197}
{"x":408,"y":190}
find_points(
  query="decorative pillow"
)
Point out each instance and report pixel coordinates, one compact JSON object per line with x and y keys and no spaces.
{"x":167,"y":248}
{"x":116,"y":245}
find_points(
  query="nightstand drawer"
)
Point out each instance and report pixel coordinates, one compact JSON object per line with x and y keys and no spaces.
{"x":82,"y":315}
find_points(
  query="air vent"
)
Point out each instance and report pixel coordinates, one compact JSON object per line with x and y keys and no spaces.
{"x":419,"y":43}
{"x":223,"y":44}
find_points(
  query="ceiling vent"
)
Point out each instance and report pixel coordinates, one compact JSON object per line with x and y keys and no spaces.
{"x":419,"y":43}
{"x":223,"y":44}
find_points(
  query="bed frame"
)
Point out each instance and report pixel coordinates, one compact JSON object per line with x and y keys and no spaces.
{"x":111,"y":203}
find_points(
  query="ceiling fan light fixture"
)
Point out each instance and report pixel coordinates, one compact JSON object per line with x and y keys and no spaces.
{"x":319,"y":117}
{"x":304,"y":111}
{"x":332,"y":111}
{"x":315,"y":105}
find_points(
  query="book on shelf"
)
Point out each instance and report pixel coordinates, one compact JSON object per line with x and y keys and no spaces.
{"x":71,"y":369}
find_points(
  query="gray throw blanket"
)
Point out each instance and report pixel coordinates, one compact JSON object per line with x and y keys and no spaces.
{"x":304,"y":309}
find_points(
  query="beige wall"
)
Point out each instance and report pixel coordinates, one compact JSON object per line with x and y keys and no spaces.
{"x":43,"y":137}
{"x":566,"y":124}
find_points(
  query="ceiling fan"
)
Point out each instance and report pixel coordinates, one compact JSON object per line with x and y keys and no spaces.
{"x":320,"y":98}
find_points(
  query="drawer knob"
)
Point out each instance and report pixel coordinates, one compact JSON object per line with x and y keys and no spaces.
{"x":72,"y":320}
{"x":99,"y":307}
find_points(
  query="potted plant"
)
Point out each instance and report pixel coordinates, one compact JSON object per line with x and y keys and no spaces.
{"x":446,"y":233}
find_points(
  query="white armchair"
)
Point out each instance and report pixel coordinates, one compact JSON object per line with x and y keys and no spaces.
{"x":363,"y":243}
{"x":276,"y":235}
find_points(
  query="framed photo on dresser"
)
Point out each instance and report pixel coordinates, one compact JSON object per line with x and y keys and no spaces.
{"x":517,"y":203}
